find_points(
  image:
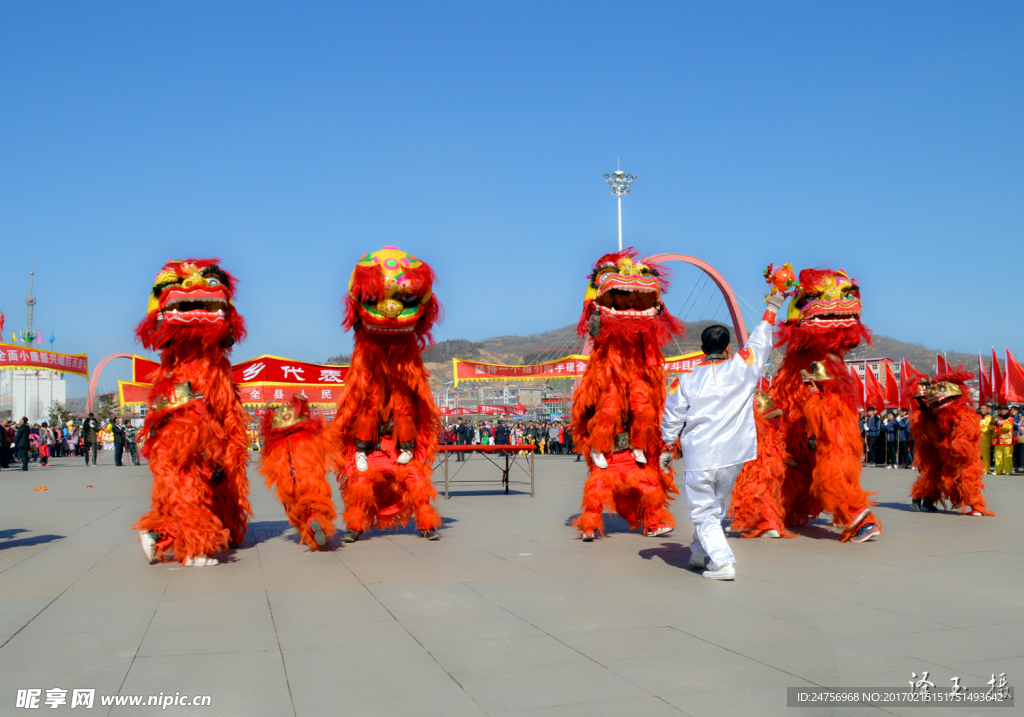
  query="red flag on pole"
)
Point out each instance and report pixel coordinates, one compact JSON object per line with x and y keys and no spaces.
{"x":1,"y":320}
{"x":860,"y":385}
{"x":1014,"y":379}
{"x":875,"y":396}
{"x":892,"y":389}
{"x":940,"y":364}
{"x":998,"y":389}
{"x":984,"y":383}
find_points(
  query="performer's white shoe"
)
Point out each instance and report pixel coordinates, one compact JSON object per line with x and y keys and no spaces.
{"x":726,"y":572}
{"x":361,"y":464}
{"x":660,"y":530}
{"x":697,"y":557}
{"x":599,"y":460}
{"x":200,"y":561}
{"x":403,"y":458}
{"x":976,"y":512}
{"x":771,"y":534}
{"x":148,"y":543}
{"x":639,"y":457}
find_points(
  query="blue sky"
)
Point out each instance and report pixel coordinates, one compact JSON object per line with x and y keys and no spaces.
{"x":289,"y":138}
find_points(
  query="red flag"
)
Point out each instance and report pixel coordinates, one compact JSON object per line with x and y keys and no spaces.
{"x":860,"y":384}
{"x":940,"y":364}
{"x":984,"y":383}
{"x":1014,"y":379}
{"x":892,"y":389}
{"x":1,"y":320}
{"x":998,"y":389}
{"x":875,"y":396}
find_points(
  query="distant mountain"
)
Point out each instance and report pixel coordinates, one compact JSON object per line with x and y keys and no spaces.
{"x":556,"y":343}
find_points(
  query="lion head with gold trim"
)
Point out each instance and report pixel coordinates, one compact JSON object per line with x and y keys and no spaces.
{"x":390,"y":296}
{"x":624,"y":297}
{"x":191,"y":300}
{"x":824,"y":314}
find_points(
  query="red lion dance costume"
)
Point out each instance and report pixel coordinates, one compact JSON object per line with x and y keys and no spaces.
{"x":822,"y":325}
{"x":385,"y":432}
{"x":197,"y":429}
{"x":756,"y":507}
{"x":617,"y":407}
{"x":294,"y":460}
{"x":946,"y":437}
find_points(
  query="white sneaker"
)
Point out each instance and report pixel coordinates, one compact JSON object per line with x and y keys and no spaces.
{"x":771,"y":534}
{"x":403,"y":458}
{"x":200,"y":561}
{"x":599,"y":460}
{"x":639,"y":457}
{"x":726,"y":572}
{"x":660,"y":530}
{"x":976,"y":512}
{"x":148,"y":544}
{"x":361,"y":464}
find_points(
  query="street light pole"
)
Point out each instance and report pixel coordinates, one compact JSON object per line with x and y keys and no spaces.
{"x":620,"y":183}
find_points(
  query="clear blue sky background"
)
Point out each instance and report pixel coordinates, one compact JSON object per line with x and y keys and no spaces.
{"x":289,"y":138}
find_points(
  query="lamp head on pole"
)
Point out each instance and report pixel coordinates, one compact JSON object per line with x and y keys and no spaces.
{"x":619,"y":182}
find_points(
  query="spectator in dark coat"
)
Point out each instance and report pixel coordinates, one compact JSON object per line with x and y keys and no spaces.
{"x":875,"y":443}
{"x":465,"y":433}
{"x":118,"y":431}
{"x":22,"y":442}
{"x":501,"y":434}
{"x":90,"y":427}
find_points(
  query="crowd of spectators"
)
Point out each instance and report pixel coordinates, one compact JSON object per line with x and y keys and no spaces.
{"x":23,"y":443}
{"x":888,"y":441}
{"x":550,"y":437}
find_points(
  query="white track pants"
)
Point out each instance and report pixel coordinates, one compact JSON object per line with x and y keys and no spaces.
{"x":706,"y":493}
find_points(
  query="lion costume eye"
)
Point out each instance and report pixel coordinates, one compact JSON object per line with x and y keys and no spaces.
{"x":213,"y":281}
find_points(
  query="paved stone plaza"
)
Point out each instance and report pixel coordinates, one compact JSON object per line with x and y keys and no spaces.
{"x":509,"y":614}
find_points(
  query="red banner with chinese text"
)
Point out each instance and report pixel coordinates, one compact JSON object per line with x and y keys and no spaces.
{"x":275,"y":369}
{"x":258,"y":393}
{"x":567,"y":367}
{"x":23,"y":357}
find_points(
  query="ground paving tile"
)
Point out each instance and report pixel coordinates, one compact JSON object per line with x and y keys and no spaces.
{"x":509,"y":614}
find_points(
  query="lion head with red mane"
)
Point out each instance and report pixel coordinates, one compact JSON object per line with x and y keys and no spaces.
{"x":824,"y":314}
{"x":391,"y":298}
{"x":623,"y":299}
{"x":191,"y":301}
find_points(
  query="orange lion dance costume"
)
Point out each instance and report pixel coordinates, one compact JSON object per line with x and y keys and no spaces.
{"x":197,"y":429}
{"x":756,"y":507}
{"x":822,"y":325}
{"x":384,"y":435}
{"x":617,"y":407}
{"x":946,"y":434}
{"x":294,"y":460}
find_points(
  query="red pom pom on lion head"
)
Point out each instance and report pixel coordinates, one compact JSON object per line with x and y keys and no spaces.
{"x":391,"y":297}
{"x":624,"y":298}
{"x":191,"y":300}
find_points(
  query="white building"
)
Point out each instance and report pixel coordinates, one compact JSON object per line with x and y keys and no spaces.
{"x":30,"y":393}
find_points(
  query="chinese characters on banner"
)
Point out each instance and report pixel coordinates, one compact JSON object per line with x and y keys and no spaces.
{"x":12,"y":356}
{"x":274,"y":369}
{"x":566,"y":367}
{"x":260,"y":392}
{"x":485,"y":409}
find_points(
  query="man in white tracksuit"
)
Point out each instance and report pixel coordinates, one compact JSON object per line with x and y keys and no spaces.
{"x":711,"y":410}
